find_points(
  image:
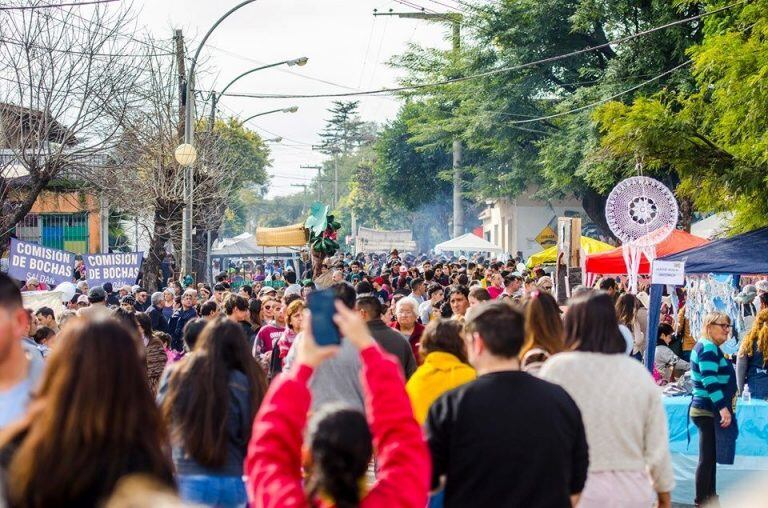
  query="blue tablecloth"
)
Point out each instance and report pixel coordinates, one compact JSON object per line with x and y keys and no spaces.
{"x":751,"y":446}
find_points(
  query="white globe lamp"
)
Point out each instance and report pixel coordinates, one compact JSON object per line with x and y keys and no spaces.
{"x":185,"y":154}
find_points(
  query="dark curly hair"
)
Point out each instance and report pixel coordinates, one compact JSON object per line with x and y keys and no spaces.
{"x":341,"y":446}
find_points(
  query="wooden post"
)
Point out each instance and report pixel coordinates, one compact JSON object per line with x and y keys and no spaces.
{"x":568,"y":266}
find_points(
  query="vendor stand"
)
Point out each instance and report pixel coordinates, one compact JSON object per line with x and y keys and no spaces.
{"x":549,"y":256}
{"x":745,"y":254}
{"x":467,"y":244}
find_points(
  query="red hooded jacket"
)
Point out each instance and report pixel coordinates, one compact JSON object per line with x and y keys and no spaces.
{"x":273,"y":463}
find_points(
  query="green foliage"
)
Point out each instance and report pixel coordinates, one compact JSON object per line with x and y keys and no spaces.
{"x":248,"y":153}
{"x":410,"y":177}
{"x":715,"y":135}
{"x":344,"y":131}
{"x":505,"y":152}
{"x":247,"y":157}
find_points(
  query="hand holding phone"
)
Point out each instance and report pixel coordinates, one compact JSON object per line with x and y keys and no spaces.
{"x":308,"y":351}
{"x":322,"y":305}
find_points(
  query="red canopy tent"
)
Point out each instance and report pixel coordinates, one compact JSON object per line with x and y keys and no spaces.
{"x":612,"y":262}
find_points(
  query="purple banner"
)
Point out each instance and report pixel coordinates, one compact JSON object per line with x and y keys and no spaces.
{"x":47,"y":265}
{"x":119,"y":268}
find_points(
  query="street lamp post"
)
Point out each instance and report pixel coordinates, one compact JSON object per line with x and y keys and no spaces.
{"x":187,"y":159}
{"x":292,"y":109}
{"x":215,"y":96}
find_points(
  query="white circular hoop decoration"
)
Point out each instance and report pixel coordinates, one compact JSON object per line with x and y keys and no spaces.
{"x":641,"y":211}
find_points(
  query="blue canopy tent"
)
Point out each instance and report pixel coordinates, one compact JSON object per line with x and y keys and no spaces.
{"x":744,"y":254}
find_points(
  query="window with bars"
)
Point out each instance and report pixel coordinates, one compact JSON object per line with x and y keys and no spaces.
{"x":66,"y":231}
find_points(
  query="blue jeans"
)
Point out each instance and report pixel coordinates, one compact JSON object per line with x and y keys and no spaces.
{"x":216,"y":491}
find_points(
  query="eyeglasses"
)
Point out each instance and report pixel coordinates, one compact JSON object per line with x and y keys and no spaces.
{"x":724,"y":326}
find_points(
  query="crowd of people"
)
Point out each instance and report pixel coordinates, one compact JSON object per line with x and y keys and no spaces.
{"x":458,"y":382}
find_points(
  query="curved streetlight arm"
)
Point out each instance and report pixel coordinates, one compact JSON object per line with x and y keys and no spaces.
{"x":223,"y":90}
{"x":190,"y":78}
{"x":281,"y":110}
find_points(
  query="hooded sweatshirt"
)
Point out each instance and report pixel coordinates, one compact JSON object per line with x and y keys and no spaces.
{"x":439,"y":373}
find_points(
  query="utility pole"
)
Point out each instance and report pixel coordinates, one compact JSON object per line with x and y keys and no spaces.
{"x":212,"y":118}
{"x":335,"y":182}
{"x":455,"y":19}
{"x":187,"y":213}
{"x":319,"y":170}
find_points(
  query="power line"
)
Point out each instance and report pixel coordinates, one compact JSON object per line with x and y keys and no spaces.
{"x":284,"y":71}
{"x":25,"y":44}
{"x":451,"y":7}
{"x":109,"y":29}
{"x":390,"y":91}
{"x":602,"y":101}
{"x":52,"y":6}
{"x":413,"y":5}
{"x":367,"y":49}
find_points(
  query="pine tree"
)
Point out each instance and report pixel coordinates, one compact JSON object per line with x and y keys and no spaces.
{"x":344,"y":131}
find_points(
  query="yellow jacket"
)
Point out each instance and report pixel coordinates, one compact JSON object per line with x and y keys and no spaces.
{"x":439,"y":373}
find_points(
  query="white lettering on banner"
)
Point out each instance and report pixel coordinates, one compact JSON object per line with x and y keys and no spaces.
{"x":49,"y":267}
{"x":41,"y":278}
{"x":119,"y":272}
{"x":30,"y":249}
{"x":113,"y":259}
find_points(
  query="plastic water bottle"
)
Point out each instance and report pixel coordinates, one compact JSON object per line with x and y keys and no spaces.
{"x":745,"y":395}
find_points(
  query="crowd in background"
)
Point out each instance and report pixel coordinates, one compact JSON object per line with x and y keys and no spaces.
{"x":463,"y":378}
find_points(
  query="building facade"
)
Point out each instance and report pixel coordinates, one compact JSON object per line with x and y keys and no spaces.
{"x":524,"y":224}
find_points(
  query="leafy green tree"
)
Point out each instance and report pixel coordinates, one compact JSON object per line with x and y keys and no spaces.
{"x":492,"y":115}
{"x":243,"y":156}
{"x":344,"y":131}
{"x":713,"y":135}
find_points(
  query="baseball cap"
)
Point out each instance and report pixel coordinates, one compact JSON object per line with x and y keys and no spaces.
{"x":378,"y":280}
{"x":266,"y":290}
{"x":82,"y":299}
{"x":403,"y":269}
{"x":96,"y":294}
{"x":293,"y":289}
{"x":128,"y":299}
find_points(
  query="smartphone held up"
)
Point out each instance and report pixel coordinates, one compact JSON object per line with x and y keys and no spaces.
{"x":322,"y":306}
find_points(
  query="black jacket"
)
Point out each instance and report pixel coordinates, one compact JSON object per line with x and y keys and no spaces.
{"x":394,"y":343}
{"x":159,"y":323}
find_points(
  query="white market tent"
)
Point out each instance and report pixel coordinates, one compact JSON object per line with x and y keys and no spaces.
{"x":245,"y":246}
{"x":714,"y":226}
{"x":468,"y":242}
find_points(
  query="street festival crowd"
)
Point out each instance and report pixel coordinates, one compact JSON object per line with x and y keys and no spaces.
{"x":459,"y":383}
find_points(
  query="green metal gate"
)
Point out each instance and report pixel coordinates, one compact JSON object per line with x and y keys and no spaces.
{"x":66,"y":231}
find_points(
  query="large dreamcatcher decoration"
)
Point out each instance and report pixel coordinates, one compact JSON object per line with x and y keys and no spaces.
{"x":642,"y":213}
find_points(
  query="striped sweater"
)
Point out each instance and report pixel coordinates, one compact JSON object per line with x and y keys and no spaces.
{"x":710,"y":372}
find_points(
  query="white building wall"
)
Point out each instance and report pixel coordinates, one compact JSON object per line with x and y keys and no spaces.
{"x":514,"y":225}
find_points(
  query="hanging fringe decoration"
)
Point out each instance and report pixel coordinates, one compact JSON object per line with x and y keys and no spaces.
{"x":641,"y":212}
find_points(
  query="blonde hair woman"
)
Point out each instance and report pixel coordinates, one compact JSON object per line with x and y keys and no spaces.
{"x":752,"y":358}
{"x":714,"y":399}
